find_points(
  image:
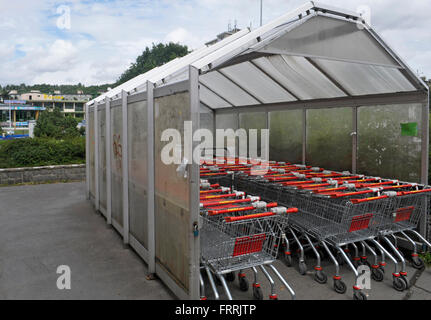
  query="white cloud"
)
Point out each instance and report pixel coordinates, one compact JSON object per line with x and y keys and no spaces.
{"x":106,"y":36}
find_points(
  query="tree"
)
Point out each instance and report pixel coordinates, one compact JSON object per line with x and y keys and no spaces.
{"x":156,"y":56}
{"x":55,"y":125}
{"x":4,"y":94}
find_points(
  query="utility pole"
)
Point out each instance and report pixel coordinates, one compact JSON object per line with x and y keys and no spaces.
{"x":261,"y":11}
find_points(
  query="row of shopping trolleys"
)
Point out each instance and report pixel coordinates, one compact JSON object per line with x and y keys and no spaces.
{"x":253,"y":214}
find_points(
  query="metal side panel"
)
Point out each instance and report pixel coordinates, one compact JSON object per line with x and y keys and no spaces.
{"x":102,"y":157}
{"x":116,"y":166}
{"x":138,"y":171}
{"x":172,"y":192}
{"x":91,"y":140}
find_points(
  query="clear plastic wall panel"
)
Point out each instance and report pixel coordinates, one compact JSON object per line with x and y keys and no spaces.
{"x":172,"y":191}
{"x":211,"y":99}
{"x":257,"y":83}
{"x":382,"y":148}
{"x":138,"y":170}
{"x":329,"y":140}
{"x":285,"y":136}
{"x":102,"y":158}
{"x":91,"y":138}
{"x":226,"y":89}
{"x":206,"y":119}
{"x":333,"y":39}
{"x":361,"y":79}
{"x":299,"y":76}
{"x":228,"y":121}
{"x":116,"y":165}
{"x":253,"y":120}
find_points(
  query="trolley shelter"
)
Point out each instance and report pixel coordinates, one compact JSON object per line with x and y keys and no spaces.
{"x":329,"y":89}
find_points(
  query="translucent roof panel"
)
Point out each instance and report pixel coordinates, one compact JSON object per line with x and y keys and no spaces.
{"x":255,"y":81}
{"x":211,"y":99}
{"x":226,"y":89}
{"x":361,"y":79}
{"x":299,"y":76}
{"x":331,"y":38}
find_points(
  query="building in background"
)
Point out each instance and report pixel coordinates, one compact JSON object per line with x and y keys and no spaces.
{"x":16,"y":113}
{"x":70,"y":104}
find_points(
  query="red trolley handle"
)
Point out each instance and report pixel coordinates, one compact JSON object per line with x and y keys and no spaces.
{"x":257,"y":215}
{"x":404,"y":193}
{"x":239,"y":209}
{"x":357,"y":201}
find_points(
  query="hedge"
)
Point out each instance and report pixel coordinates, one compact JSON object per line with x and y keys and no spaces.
{"x":41,"y":152}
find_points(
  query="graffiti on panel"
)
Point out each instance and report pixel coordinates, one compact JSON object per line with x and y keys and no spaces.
{"x":117,"y":150}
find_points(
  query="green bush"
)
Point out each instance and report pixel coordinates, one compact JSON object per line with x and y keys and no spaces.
{"x":41,"y":152}
{"x":55,"y":125}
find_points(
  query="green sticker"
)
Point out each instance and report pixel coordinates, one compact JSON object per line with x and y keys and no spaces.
{"x":409,"y":129}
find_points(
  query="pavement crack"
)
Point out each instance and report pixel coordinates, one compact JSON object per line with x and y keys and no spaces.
{"x":413,"y":281}
{"x":426,"y":290}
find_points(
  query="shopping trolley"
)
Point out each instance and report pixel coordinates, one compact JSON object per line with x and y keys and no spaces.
{"x":236,"y":243}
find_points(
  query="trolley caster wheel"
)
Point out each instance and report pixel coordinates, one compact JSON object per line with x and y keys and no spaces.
{"x":302,"y":268}
{"x":377,"y":274}
{"x":257,"y":292}
{"x":339,"y":286}
{"x":399,"y":284}
{"x":320,"y":277}
{"x":273,"y":297}
{"x":406,"y":280}
{"x":243,"y":284}
{"x":359,"y":295}
{"x":230,"y":276}
{"x":287,"y":260}
{"x":418,"y":263}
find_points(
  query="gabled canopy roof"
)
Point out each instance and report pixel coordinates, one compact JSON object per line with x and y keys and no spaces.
{"x":314,"y":52}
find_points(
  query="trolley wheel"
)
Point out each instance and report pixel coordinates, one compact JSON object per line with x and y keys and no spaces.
{"x":418,"y":263}
{"x":302,"y":268}
{"x":377,"y":274}
{"x":406,"y":281}
{"x":399,"y":284}
{"x":230,"y":276}
{"x":243,"y":284}
{"x":359,"y":295}
{"x":320,"y":277}
{"x":340,"y":287}
{"x":257,"y":293}
{"x":288,"y":260}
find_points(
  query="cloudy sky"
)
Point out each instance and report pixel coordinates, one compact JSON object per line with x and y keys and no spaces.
{"x":39,"y":44}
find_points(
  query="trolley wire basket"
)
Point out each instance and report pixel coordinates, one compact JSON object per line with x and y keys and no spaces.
{"x":234,"y":243}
